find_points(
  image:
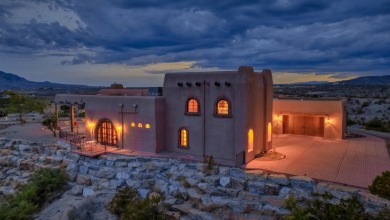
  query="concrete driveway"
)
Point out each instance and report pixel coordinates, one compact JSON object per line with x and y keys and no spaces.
{"x":354,"y":161}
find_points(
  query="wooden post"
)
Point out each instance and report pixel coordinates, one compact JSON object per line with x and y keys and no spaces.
{"x":56,"y":114}
{"x":71,"y":117}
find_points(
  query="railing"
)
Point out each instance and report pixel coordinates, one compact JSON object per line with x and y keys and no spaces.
{"x":75,"y":140}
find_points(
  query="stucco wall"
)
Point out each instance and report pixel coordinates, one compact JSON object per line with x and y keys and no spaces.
{"x":332,"y":111}
{"x":149,"y":110}
{"x":224,"y":138}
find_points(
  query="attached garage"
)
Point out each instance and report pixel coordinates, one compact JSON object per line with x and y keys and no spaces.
{"x":313,"y":117}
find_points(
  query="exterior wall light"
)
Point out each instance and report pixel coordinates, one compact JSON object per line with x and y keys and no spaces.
{"x":198,"y":84}
{"x":180,"y":84}
{"x":189,"y":84}
{"x":91,"y":128}
{"x":328,"y":120}
{"x":217,"y":83}
{"x":228,"y":84}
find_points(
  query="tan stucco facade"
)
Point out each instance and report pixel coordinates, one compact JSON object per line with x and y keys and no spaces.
{"x":231,"y":139}
{"x":320,"y":117}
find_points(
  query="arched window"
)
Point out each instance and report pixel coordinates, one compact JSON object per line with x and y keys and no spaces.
{"x":147,"y":126}
{"x":132,"y":124}
{"x":140,"y":125}
{"x":183,"y":138}
{"x":192,"y":105}
{"x":106,"y":133}
{"x":269,"y":136}
{"x":223,"y":107}
{"x":250,"y":140}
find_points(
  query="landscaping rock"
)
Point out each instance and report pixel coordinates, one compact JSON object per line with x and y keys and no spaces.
{"x":77,"y":190}
{"x":225,"y":181}
{"x":83,"y":179}
{"x":302,"y":182}
{"x":88,"y":191}
{"x":278,"y":179}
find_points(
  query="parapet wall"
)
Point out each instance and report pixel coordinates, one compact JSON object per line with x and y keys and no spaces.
{"x":186,"y":187}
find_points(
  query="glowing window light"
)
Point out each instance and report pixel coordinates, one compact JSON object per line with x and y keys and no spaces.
{"x":269,"y":135}
{"x":147,"y":126}
{"x":132,"y":124}
{"x":222,"y":107}
{"x":250,"y":140}
{"x":192,"y":106}
{"x":140,"y":125}
{"x":183,"y":138}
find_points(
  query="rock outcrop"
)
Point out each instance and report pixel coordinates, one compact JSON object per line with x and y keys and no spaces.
{"x":223,"y":192}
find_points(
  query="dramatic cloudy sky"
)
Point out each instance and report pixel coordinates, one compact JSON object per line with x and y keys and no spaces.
{"x":135,"y":41}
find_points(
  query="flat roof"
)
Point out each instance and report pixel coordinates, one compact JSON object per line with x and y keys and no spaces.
{"x":312,"y":99}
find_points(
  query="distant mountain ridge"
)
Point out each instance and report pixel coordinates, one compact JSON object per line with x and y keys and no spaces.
{"x":364,"y":80}
{"x":15,"y":82}
{"x":368,"y":80}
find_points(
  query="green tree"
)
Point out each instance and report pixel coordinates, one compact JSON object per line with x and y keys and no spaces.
{"x":23,"y":104}
{"x":51,"y":123}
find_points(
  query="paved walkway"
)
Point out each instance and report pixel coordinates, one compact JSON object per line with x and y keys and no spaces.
{"x":355,"y":161}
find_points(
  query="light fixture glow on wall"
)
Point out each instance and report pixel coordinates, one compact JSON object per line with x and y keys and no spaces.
{"x":328,"y":120}
{"x":91,"y":128}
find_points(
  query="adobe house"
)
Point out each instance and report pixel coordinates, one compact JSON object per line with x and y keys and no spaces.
{"x":227,"y":115}
{"x":224,"y":114}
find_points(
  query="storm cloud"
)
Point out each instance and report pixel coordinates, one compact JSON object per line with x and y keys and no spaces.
{"x":345,"y":36}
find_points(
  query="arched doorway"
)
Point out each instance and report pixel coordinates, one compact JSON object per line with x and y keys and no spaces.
{"x":106,"y":133}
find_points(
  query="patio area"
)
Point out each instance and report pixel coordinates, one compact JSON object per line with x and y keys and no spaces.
{"x":354,"y":161}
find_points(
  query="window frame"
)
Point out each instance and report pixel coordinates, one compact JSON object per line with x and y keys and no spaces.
{"x":180,"y":137}
{"x":198,"y":113}
{"x":218,"y":115}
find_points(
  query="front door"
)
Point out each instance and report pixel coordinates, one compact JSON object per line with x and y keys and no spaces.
{"x":106,"y":133}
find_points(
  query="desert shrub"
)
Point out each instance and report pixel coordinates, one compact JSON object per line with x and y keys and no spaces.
{"x":381,"y":185}
{"x":128,"y":205}
{"x":322,"y":208}
{"x":3,"y":113}
{"x":209,"y":164}
{"x":377,"y":125}
{"x":350,"y":122}
{"x":42,"y":187}
{"x":365,"y":104}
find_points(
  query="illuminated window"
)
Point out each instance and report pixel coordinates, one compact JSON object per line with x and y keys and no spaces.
{"x":222,"y":107}
{"x":269,"y":136}
{"x":140,"y":125}
{"x":192,"y":106}
{"x":132,"y":124}
{"x":250,"y":140}
{"x":183,"y":138}
{"x":147,"y":126}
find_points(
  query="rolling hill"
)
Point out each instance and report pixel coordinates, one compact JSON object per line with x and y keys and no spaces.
{"x":15,"y":82}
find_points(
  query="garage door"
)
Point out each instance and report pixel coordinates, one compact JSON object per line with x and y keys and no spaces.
{"x":308,"y":125}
